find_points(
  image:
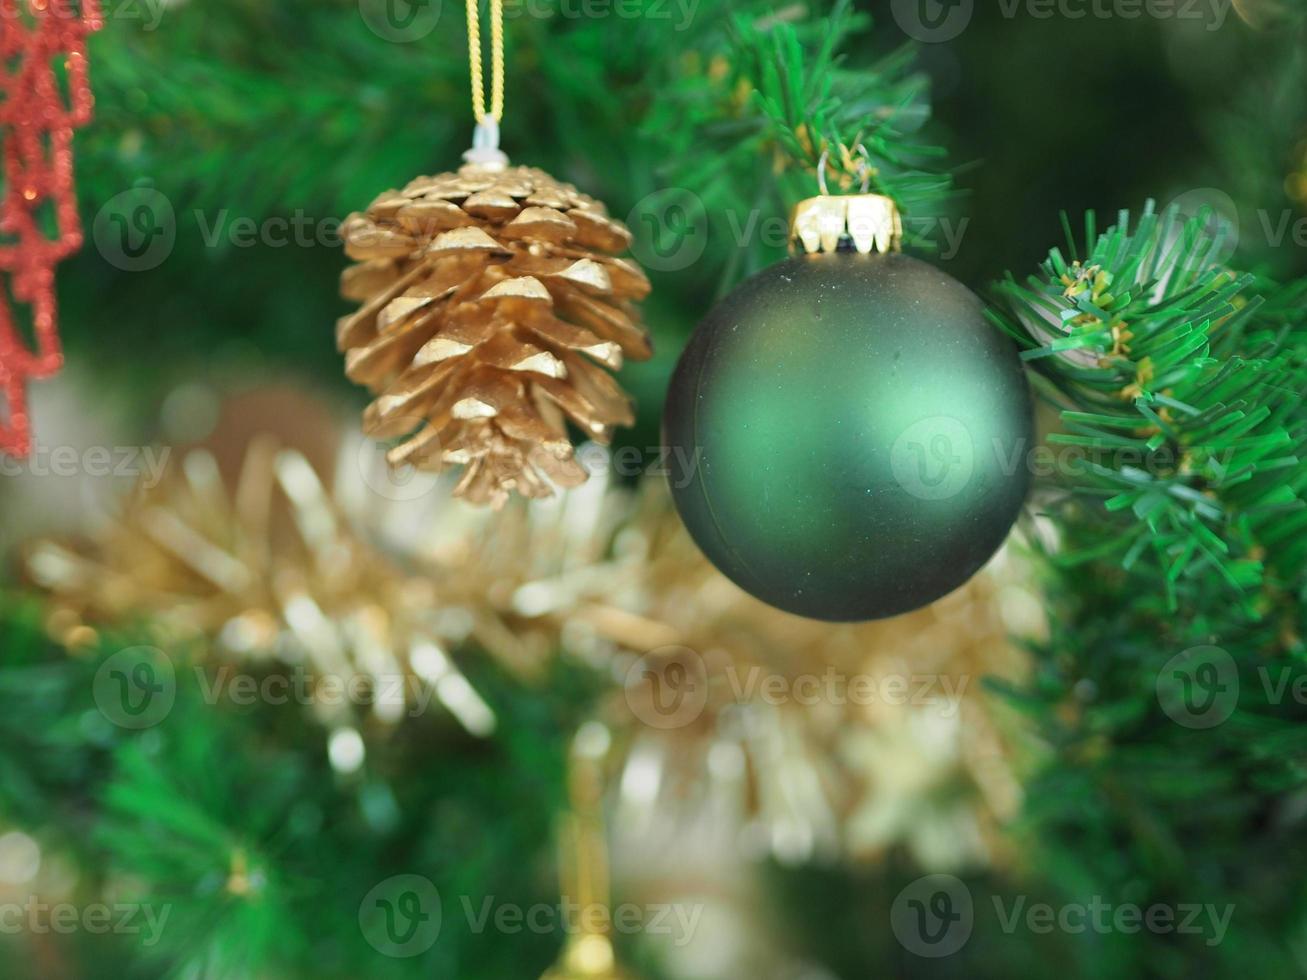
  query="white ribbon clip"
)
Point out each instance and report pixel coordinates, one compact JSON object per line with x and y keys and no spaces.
{"x":485,"y":150}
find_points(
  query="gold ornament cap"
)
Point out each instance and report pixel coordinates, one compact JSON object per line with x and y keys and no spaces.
{"x":861,"y":223}
{"x":588,"y":957}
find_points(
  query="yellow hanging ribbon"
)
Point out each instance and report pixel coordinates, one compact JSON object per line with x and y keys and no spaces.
{"x":496,"y":59}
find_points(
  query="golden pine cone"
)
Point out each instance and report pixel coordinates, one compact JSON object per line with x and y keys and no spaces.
{"x":492,"y":302}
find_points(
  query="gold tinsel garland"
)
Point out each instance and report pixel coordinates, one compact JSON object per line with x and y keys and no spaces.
{"x":272,"y":566}
{"x":268,"y":571}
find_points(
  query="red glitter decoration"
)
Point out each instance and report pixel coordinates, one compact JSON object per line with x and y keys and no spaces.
{"x":40,"y":106}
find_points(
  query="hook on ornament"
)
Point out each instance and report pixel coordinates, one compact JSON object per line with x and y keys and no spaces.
{"x":865,"y":169}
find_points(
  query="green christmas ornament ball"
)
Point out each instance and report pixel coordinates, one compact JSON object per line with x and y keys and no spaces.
{"x":849,"y":435}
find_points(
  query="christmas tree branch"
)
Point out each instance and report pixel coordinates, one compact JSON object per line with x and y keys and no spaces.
{"x":1178,"y":384}
{"x":1172,"y":536}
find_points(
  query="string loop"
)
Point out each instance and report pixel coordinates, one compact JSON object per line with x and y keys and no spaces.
{"x":496,"y":60}
{"x":864,"y":169}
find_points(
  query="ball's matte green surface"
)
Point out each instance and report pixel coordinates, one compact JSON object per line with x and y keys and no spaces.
{"x":849,"y":435}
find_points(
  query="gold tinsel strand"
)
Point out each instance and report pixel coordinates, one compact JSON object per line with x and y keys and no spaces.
{"x":493,"y":301}
{"x":268,"y":571}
